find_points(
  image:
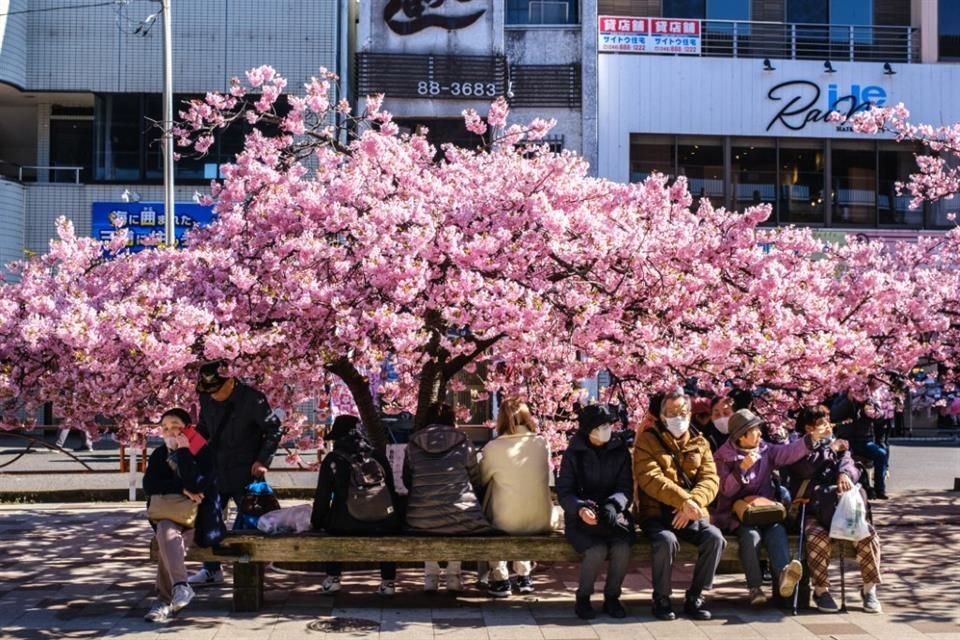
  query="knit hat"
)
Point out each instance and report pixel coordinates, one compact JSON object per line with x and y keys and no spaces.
{"x":342,"y":425}
{"x":741,"y":422}
{"x":593,"y":416}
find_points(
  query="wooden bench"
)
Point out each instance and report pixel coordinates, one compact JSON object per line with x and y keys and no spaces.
{"x":250,"y":552}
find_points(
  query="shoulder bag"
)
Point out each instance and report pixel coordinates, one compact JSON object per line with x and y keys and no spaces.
{"x":175,"y":507}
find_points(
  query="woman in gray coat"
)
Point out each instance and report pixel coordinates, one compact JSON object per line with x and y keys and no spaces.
{"x":442,"y":476}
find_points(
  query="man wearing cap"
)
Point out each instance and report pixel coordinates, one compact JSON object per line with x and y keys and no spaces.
{"x":746,"y":464}
{"x":677,"y":480}
{"x":595,"y":489}
{"x":243,"y":433}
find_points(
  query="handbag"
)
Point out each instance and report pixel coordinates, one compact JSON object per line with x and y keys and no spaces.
{"x":257,"y":500}
{"x":757,"y":511}
{"x":175,"y":507}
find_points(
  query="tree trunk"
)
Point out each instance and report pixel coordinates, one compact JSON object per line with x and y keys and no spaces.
{"x":359,"y":387}
{"x":433,"y":388}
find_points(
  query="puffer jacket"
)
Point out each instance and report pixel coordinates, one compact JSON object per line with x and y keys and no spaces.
{"x":822,"y":468}
{"x":656,"y":474}
{"x":173,"y":471}
{"x":598,"y":475}
{"x":330,"y":511}
{"x":442,"y":476}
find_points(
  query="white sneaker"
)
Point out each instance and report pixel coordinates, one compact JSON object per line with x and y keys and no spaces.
{"x":387,"y":588}
{"x":431,"y":582}
{"x":204,"y":578}
{"x":182,"y":595}
{"x":454,"y":582}
{"x":159,"y":613}
{"x":330,"y":584}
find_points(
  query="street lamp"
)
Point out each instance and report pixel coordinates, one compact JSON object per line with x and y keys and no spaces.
{"x":169,"y":237}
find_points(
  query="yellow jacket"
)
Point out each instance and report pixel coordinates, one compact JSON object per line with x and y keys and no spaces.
{"x":655,"y":472}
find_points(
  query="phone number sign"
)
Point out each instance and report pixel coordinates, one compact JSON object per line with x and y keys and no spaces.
{"x":626,"y":34}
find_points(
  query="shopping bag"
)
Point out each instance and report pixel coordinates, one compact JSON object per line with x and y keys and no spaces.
{"x":258,"y":499}
{"x":287,"y":520}
{"x":850,"y":518}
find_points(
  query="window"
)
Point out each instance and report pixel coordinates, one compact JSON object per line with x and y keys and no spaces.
{"x":728,"y":9}
{"x":649,"y":154}
{"x":71,"y":143}
{"x":896,"y":163}
{"x":543,"y":12}
{"x":807,"y":11}
{"x":754,"y":174}
{"x":801,"y":182}
{"x":949,"y":28}
{"x":701,"y":161}
{"x":685,"y":9}
{"x":854,"y":183}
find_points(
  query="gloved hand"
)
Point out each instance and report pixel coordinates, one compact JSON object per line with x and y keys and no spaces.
{"x":609,"y":515}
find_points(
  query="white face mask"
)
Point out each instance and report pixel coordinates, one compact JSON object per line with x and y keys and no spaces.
{"x":678,"y":426}
{"x":170,"y":442}
{"x":722,"y":424}
{"x":602,"y":434}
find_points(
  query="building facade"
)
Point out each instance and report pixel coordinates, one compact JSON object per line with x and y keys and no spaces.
{"x":733,"y":94}
{"x":80,"y":91}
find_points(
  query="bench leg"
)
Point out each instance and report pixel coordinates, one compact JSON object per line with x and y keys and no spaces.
{"x":247,"y":586}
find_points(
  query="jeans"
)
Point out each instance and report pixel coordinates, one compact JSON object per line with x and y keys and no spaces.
{"x":880,"y":458}
{"x":225,"y":501}
{"x":774,"y":538}
{"x":388,"y":570}
{"x":666,"y":542}
{"x":618,"y":552}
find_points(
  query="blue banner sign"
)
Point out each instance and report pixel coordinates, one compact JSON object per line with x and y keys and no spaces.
{"x":144,"y":220}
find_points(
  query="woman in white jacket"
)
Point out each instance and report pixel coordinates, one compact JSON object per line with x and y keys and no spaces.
{"x":515,"y":471}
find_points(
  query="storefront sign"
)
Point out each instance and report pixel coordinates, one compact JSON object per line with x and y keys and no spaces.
{"x":802,"y":106}
{"x":144,"y":220}
{"x":417,"y":15}
{"x":624,"y":34}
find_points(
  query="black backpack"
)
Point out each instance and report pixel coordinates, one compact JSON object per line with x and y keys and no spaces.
{"x":368,"y":495}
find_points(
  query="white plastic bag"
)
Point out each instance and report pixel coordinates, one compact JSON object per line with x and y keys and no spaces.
{"x":850,"y":519}
{"x":288,"y":520}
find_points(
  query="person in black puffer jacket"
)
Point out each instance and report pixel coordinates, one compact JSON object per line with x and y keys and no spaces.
{"x":595,"y":489}
{"x":330,"y":509}
{"x":442,"y":474}
{"x":183,"y":465}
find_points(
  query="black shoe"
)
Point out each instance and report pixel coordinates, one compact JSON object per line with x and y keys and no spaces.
{"x":613,"y":608}
{"x":881,"y":496}
{"x":693,"y":607}
{"x":662,"y":609}
{"x":500,"y":589}
{"x":583,"y":609}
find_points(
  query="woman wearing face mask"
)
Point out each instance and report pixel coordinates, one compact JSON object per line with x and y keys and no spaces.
{"x":677,"y":480}
{"x":746,"y":464}
{"x":182,"y":465}
{"x":595,"y":489}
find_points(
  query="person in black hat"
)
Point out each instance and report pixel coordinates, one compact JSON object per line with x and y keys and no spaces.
{"x":595,"y":489}
{"x":242,"y":431}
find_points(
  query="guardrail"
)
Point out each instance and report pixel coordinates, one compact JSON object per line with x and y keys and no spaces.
{"x":39,"y":171}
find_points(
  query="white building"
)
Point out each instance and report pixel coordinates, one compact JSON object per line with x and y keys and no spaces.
{"x":79,"y":89}
{"x":741,"y":112}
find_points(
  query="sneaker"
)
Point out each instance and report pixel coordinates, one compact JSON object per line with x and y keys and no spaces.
{"x":525,"y":584}
{"x":789,"y":578}
{"x":693,"y":606}
{"x":182,"y":595}
{"x":870,"y":602}
{"x":613,"y":608}
{"x":431,"y":583}
{"x":757,"y":597}
{"x":205,"y":577}
{"x":825,"y":603}
{"x":387,"y":588}
{"x":499,"y":589}
{"x":765,"y":576}
{"x":159,"y":613}
{"x":662,"y":609}
{"x":454,"y":582}
{"x":584,"y":609}
{"x":330,"y":584}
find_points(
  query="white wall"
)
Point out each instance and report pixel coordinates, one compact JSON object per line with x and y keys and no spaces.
{"x":11,"y":221}
{"x":13,"y":43}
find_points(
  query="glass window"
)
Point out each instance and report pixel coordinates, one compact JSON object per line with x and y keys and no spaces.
{"x":71,"y":145}
{"x":854,"y":184}
{"x":949,"y":28}
{"x":649,"y":154}
{"x":844,"y":12}
{"x":728,"y":9}
{"x":701,"y":161}
{"x":801,"y":182}
{"x":543,"y":12}
{"x":754,"y":165}
{"x":896,"y":164}
{"x":685,"y":9}
{"x":807,"y":11}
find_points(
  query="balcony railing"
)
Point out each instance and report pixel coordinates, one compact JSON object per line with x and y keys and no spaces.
{"x":797,"y":41}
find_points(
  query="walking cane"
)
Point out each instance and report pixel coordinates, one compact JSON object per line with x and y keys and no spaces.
{"x":796,"y":589}
{"x":843,"y":581}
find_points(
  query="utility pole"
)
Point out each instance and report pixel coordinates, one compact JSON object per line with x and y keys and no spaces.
{"x":169,"y":236}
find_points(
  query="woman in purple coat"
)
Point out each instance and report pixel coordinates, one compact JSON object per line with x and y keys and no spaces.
{"x":745,"y":464}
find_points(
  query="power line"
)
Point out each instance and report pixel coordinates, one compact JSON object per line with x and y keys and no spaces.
{"x":63,"y":7}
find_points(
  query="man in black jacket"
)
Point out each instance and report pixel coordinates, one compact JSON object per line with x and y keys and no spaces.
{"x":243,"y":432}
